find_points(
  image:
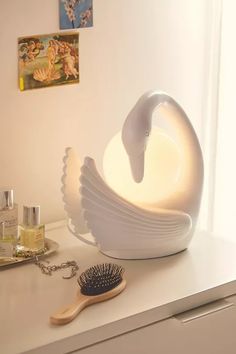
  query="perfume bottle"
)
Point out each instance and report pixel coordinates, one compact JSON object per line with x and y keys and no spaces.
{"x":9,"y":215}
{"x":6,"y":246}
{"x":32,"y":233}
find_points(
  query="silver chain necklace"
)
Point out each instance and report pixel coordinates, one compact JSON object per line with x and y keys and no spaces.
{"x":46,"y":268}
{"x":49,"y":269}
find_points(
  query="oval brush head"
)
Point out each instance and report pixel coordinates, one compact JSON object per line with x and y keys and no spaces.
{"x":98,"y":283}
{"x":100,"y":278}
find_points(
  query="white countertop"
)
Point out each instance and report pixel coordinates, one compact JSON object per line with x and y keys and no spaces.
{"x":156,"y":289}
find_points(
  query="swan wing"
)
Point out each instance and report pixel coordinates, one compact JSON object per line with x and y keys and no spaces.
{"x":70,"y":190}
{"x":105,"y":211}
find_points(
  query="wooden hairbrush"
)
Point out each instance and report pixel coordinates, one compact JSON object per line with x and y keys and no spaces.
{"x":98,"y":283}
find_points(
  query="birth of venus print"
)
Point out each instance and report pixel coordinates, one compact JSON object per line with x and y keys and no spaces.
{"x":48,"y":60}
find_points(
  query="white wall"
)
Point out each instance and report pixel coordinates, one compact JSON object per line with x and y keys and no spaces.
{"x":225,"y":211}
{"x":134,"y":46}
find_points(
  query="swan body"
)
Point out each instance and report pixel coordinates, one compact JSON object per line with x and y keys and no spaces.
{"x":124,"y":226}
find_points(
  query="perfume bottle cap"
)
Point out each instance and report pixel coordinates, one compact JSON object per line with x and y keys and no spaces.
{"x":2,"y":229}
{"x":6,"y":199}
{"x":31,"y":215}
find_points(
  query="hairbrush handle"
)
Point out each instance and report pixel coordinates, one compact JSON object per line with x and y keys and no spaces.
{"x":69,"y":312}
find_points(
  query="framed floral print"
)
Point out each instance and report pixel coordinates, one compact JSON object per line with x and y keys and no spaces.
{"x":76,"y":13}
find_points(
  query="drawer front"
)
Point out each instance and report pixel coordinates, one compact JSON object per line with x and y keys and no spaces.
{"x":206,"y":330}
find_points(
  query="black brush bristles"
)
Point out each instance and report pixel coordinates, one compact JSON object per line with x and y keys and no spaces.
{"x":100,"y":278}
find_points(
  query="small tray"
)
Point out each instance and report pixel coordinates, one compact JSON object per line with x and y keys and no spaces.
{"x":51,"y":246}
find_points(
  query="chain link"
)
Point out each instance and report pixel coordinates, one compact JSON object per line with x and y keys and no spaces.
{"x":49,"y":269}
{"x":46,"y":268}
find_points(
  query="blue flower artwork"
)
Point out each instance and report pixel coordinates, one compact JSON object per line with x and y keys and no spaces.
{"x":76,"y":13}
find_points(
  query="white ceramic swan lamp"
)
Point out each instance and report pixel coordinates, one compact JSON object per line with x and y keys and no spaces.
{"x":147,"y":206}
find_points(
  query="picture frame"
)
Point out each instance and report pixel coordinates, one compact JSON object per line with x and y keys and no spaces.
{"x":48,"y":60}
{"x":76,"y":13}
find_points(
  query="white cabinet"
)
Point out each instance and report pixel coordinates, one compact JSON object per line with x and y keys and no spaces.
{"x":142,"y":319}
{"x":209,"y":329}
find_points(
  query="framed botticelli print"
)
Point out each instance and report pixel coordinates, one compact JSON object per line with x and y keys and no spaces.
{"x":48,"y":60}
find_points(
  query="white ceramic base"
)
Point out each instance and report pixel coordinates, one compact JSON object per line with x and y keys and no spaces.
{"x":126,"y":254}
{"x":142,"y":253}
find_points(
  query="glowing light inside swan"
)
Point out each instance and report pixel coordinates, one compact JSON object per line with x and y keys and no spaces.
{"x":162,"y":168}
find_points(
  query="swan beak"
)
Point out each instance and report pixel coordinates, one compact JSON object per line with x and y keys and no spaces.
{"x":137,"y":167}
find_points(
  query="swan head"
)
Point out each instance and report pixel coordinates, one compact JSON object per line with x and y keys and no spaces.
{"x":135,"y":133}
{"x":137,"y":128}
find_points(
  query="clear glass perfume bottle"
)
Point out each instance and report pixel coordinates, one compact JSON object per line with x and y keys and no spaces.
{"x":9,"y":215}
{"x":6,"y":246}
{"x":32,"y":233}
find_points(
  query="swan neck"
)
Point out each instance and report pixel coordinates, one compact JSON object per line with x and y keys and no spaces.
{"x":191,"y":178}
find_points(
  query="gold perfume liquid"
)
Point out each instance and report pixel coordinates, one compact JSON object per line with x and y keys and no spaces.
{"x":6,"y":244}
{"x":32,"y":237}
{"x":32,"y":232}
{"x":8,"y":215}
{"x":10,"y":218}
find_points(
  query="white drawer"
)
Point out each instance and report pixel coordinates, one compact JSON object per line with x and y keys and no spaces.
{"x":207,"y":330}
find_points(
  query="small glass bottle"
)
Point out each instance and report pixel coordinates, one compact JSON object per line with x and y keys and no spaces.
{"x":9,"y":215}
{"x":32,"y":233}
{"x":6,"y":247}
